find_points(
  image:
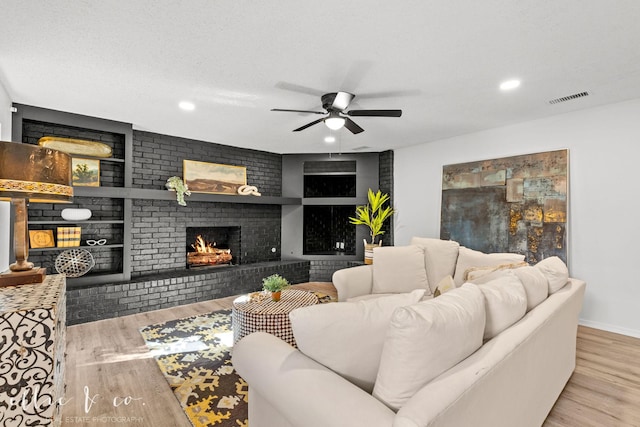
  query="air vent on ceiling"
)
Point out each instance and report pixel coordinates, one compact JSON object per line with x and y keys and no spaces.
{"x":569,"y":97}
{"x":362,"y":147}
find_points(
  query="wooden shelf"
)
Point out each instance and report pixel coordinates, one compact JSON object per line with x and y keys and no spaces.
{"x":88,"y":221}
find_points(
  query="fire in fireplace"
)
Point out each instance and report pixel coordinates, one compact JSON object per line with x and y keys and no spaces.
{"x":213,"y":246}
{"x":206,"y":253}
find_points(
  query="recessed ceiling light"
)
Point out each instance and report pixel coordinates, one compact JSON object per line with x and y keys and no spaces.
{"x":330,"y":139}
{"x":509,"y":84}
{"x":187,"y":106}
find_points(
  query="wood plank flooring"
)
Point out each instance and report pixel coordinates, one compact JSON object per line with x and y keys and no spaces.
{"x":112,"y":380}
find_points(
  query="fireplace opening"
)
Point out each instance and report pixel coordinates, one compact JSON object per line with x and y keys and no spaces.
{"x":327,"y":230}
{"x":213,"y":246}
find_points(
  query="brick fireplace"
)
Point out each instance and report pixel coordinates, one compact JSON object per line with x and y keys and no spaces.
{"x":223,"y":245}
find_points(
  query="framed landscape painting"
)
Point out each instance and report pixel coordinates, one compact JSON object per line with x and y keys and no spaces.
{"x":214,"y":178}
{"x":85,"y":172}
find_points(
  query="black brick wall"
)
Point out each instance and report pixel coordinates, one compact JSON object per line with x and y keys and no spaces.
{"x":157,"y":157}
{"x":114,"y":300}
{"x":386,"y":185}
{"x":322,"y":271}
{"x":159,"y":232}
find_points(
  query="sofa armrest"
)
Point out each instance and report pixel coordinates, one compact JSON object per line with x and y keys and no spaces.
{"x":304,"y":392}
{"x":353,"y":282}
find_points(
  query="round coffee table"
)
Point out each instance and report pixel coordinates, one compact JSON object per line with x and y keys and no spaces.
{"x":256,"y":312}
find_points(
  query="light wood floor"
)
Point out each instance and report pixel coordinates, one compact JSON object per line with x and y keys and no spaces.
{"x":112,"y":380}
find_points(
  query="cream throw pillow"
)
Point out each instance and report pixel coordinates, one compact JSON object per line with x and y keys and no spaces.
{"x":425,"y":339}
{"x":468,"y":258}
{"x":556,"y":272}
{"x":398,"y":269}
{"x":347,"y":337}
{"x":474,"y":273}
{"x":505,"y":303}
{"x":440,"y":258}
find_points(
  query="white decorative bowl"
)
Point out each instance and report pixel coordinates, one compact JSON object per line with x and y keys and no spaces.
{"x":75,"y":214}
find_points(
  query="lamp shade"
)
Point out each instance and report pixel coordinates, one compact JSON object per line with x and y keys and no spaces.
{"x":34,"y":173}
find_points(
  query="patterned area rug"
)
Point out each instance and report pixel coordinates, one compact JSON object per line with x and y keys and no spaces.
{"x":194,"y":355}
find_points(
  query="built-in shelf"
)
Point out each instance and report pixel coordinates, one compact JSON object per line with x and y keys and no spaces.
{"x":114,"y":245}
{"x":88,"y":221}
{"x":142,"y":193}
{"x":334,"y":201}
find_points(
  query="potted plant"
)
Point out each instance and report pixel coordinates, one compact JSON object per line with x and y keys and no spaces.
{"x":373,"y":215}
{"x":275,"y":284}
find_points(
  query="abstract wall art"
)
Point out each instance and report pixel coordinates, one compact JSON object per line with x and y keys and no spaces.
{"x":513,"y":204}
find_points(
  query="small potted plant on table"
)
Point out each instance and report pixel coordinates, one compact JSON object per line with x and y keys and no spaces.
{"x":275,"y":284}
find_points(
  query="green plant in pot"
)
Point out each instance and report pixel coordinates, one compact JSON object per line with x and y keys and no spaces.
{"x":373,"y":215}
{"x":176,"y":184}
{"x":275,"y":284}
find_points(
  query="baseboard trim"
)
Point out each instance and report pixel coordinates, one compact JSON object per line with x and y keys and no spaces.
{"x":610,"y":328}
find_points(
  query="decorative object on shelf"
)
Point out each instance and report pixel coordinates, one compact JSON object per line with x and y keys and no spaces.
{"x":176,"y":184}
{"x":512,"y":204}
{"x":373,"y":215}
{"x":86,"y":172}
{"x":100,"y":242}
{"x":41,"y":239}
{"x":80,"y":147}
{"x":35,"y":174}
{"x":214,"y":178}
{"x":75,"y":214}
{"x":69,"y":236}
{"x":248,"y":190}
{"x":74,"y":262}
{"x":275,"y":284}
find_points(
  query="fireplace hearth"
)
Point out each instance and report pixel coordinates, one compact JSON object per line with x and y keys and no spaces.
{"x":213,"y":246}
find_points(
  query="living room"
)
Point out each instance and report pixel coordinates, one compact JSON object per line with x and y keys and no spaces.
{"x":599,"y":130}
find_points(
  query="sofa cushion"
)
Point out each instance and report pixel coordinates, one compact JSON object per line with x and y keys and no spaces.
{"x":505,"y":303}
{"x":440,"y":258}
{"x":398,"y":269}
{"x":556,"y":272}
{"x":347,"y":337}
{"x":468,"y":258}
{"x":535,"y":285}
{"x":425,"y":339}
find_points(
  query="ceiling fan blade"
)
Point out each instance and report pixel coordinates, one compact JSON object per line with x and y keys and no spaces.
{"x":342,"y":100}
{"x":297,"y":111}
{"x":374,"y":113}
{"x":309,"y":125}
{"x":352,"y":126}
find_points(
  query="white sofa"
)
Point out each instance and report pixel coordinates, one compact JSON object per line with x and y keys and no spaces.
{"x":455,"y":360}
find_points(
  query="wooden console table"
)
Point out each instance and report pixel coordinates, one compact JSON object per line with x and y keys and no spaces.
{"x":32,"y":345}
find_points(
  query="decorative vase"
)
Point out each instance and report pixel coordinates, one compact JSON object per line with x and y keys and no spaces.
{"x":368,"y":251}
{"x":75,"y":214}
{"x":275,"y":296}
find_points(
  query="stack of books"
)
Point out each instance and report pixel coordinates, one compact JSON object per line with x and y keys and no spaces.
{"x":68,"y":236}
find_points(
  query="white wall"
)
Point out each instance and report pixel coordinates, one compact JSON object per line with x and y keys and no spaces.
{"x":604,"y":199}
{"x":5,"y":135}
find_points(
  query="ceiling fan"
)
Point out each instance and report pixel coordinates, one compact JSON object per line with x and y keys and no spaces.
{"x":335,"y":104}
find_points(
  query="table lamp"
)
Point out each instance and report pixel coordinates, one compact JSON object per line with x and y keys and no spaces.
{"x":29,"y":173}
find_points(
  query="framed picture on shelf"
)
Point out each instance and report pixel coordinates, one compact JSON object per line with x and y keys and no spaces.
{"x":41,"y":239}
{"x":214,"y":178}
{"x":86,"y":172}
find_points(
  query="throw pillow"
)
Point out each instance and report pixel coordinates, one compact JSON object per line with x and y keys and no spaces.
{"x":474,"y":273}
{"x":440,"y":258}
{"x":398,"y":269}
{"x":445,"y":285}
{"x":347,"y":337}
{"x":468,"y":258}
{"x":425,"y":339}
{"x":556,"y":272}
{"x":505,"y":303}
{"x":535,"y":285}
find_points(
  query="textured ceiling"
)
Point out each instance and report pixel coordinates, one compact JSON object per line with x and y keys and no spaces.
{"x":440,"y":62}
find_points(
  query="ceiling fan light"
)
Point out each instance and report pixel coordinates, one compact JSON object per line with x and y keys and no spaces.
{"x":334,"y":123}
